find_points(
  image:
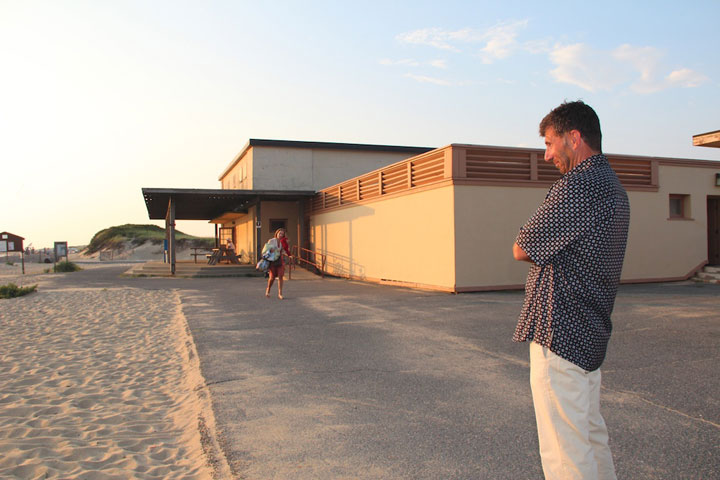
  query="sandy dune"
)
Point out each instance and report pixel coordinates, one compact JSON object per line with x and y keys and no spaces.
{"x":99,"y":383}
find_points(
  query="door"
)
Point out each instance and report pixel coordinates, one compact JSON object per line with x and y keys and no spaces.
{"x":226,"y":233}
{"x":713,"y":226}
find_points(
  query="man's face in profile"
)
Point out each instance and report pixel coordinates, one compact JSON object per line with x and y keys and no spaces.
{"x":558,"y":150}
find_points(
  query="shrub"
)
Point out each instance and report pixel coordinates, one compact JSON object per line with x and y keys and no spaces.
{"x":11,"y":290}
{"x":66,"y":267}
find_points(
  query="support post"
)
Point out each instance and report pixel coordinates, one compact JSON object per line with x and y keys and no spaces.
{"x":170,"y":229}
{"x":300,"y":225}
{"x":258,"y":232}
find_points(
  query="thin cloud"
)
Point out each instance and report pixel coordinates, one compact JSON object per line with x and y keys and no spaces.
{"x":438,"y":64}
{"x":406,"y":62}
{"x":643,"y":60}
{"x":434,"y":37}
{"x":641,"y":67}
{"x":433,"y":80}
{"x":499,"y":41}
{"x":686,"y":78}
{"x":638,"y":68}
{"x":585,"y":67}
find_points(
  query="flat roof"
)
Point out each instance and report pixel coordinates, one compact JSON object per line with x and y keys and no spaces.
{"x":207,"y":204}
{"x":709,"y":139}
{"x":358,"y":147}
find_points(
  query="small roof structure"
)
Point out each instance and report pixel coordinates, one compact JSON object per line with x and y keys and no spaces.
{"x":6,"y":235}
{"x":709,"y":139}
{"x":213,"y":205}
{"x":209,"y":204}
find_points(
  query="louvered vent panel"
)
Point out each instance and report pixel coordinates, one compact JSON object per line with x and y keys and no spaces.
{"x":369,"y":187}
{"x":317,"y":203}
{"x":632,"y":172}
{"x":348,"y":192}
{"x":488,"y":164}
{"x":394,"y":179}
{"x":332,"y":197}
{"x":427,"y":170}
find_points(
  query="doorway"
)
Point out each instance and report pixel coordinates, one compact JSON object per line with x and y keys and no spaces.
{"x":276,"y":223}
{"x":226,"y":233}
{"x":713,"y":230}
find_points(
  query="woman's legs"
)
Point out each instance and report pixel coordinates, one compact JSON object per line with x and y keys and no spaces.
{"x":273,"y":273}
{"x":271,"y":279}
{"x":280,"y":277}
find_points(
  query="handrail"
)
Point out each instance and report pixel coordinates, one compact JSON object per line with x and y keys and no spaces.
{"x":287,"y":261}
{"x":310,"y":254}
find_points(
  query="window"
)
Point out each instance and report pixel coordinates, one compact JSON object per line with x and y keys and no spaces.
{"x":276,"y":223}
{"x":679,"y":206}
{"x":226,"y":233}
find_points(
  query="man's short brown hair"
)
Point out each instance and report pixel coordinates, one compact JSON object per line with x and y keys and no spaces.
{"x":575,"y":116}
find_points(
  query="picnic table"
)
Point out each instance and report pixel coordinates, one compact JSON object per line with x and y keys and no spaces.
{"x":223,"y":254}
{"x":195,"y":254}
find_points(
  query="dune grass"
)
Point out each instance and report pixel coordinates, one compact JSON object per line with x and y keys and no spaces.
{"x":63,"y":267}
{"x":11,"y":290}
{"x":117,"y":237}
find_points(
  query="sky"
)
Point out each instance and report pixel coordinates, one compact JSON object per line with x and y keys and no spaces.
{"x":101,"y":98}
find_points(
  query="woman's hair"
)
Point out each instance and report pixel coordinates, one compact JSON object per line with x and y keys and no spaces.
{"x":278,"y":231}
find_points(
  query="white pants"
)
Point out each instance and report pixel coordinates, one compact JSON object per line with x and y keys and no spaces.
{"x":571,"y":432}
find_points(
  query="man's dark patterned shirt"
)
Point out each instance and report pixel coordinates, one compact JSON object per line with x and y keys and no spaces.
{"x":576,"y":240}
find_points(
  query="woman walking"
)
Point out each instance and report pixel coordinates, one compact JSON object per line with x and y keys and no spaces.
{"x":275,"y":247}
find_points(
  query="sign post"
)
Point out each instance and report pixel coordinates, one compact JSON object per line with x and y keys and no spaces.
{"x":61,"y":250}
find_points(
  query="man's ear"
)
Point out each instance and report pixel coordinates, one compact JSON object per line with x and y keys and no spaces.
{"x":575,"y":138}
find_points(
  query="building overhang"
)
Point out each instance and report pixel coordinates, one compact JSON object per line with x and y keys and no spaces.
{"x":227,"y":217}
{"x":709,"y":139}
{"x":209,"y":204}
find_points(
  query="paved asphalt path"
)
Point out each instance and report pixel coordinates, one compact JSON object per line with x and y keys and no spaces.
{"x":345,"y":380}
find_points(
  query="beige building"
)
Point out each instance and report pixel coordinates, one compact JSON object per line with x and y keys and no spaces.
{"x":446,"y":218}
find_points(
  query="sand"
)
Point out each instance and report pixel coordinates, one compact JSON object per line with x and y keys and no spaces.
{"x":101,"y":383}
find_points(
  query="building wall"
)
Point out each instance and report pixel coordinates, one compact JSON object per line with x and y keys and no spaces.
{"x":408,"y":239}
{"x":663,"y":248}
{"x":488,"y":219}
{"x":281,"y":168}
{"x":332,"y":166}
{"x":241,"y":174}
{"x":244,"y":240}
{"x":279,"y":210}
{"x":659,"y":248}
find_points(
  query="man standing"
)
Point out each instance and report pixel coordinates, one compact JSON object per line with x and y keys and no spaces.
{"x":575,"y":243}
